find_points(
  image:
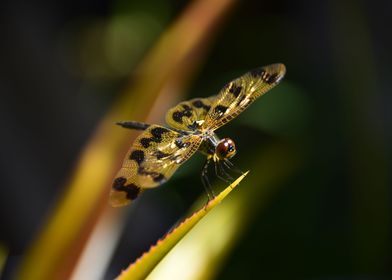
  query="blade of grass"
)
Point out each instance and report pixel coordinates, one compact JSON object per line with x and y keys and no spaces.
{"x":175,"y":56}
{"x":201,"y":253}
{"x":147,"y":262}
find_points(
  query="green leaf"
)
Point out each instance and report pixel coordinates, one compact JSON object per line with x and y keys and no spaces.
{"x":148,"y":261}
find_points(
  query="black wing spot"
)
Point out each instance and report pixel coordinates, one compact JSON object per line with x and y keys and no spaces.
{"x":178,"y":115}
{"x":138,"y":156}
{"x":187,"y":111}
{"x":179,"y":144}
{"x":119,"y":182}
{"x":259,"y":72}
{"x":235,"y":90}
{"x":145,"y":142}
{"x":131,"y":190}
{"x":160,"y":154}
{"x":220,"y":110}
{"x":156,"y":177}
{"x":270,"y":79}
{"x":186,"y":108}
{"x":156,"y":136}
{"x":200,"y":104}
{"x":158,"y":131}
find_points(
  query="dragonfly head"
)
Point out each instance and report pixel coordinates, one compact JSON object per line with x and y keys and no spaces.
{"x":225,"y":149}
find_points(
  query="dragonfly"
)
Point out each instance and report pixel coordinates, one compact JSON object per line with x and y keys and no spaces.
{"x":160,"y":150}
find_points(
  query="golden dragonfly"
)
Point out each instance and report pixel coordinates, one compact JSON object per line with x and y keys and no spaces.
{"x":157,"y":152}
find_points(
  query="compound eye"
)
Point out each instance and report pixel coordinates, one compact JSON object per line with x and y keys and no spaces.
{"x":225,"y":149}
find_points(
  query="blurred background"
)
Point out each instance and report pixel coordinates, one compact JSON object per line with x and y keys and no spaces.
{"x":64,"y":64}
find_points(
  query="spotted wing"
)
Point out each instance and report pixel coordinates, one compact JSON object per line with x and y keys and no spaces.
{"x":185,"y":114}
{"x":237,"y":95}
{"x":153,"y":158}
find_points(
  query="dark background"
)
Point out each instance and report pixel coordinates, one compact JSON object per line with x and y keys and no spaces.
{"x":60,"y":69}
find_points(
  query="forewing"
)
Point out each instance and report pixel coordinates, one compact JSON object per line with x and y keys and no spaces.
{"x":237,"y":95}
{"x":185,"y":115}
{"x":153,"y":158}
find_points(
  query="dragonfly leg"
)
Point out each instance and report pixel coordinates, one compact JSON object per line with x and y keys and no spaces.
{"x":206,"y":181}
{"x":231,"y":166}
{"x":223,"y":171}
{"x":218,"y":171}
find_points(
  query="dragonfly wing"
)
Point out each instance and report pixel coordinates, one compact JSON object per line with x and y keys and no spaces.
{"x":237,"y":95}
{"x":153,"y":158}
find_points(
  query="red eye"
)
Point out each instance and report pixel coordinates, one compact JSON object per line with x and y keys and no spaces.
{"x":225,"y":148}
